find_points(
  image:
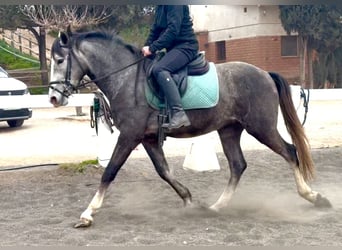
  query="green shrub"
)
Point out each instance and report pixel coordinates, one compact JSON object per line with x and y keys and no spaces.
{"x":43,"y":90}
{"x":79,"y":167}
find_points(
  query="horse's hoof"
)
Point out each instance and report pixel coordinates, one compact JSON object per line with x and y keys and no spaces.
{"x":83,"y":223}
{"x":322,"y":202}
{"x":188,"y":203}
{"x":214,"y":209}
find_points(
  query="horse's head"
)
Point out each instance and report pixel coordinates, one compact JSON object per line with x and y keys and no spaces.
{"x":66,"y":70}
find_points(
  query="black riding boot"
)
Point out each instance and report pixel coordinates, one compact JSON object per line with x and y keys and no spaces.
{"x":171,"y":93}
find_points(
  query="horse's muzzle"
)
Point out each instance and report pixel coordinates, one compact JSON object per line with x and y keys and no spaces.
{"x":53,"y":101}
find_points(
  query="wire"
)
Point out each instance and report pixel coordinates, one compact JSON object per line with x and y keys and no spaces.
{"x":29,"y":166}
{"x":22,"y":57}
{"x":56,"y":164}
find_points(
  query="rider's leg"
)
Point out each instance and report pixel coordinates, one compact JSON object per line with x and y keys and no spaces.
{"x":171,"y":62}
{"x":171,"y":93}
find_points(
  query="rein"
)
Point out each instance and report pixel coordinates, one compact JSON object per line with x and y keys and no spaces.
{"x":69,"y":87}
{"x":86,"y":82}
{"x":305,"y":102}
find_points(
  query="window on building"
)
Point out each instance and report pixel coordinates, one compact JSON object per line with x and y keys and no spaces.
{"x":289,"y":46}
{"x":221,"y":50}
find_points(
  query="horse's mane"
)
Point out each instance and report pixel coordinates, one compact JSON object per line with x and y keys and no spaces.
{"x":105,"y":35}
{"x":99,"y":35}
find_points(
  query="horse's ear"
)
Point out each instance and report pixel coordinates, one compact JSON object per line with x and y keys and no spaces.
{"x":64,"y":38}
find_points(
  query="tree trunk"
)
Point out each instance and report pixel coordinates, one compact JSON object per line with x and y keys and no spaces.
{"x":339,"y":79}
{"x":310,"y":69}
{"x":42,"y":56}
{"x":41,"y":39}
{"x":302,"y":67}
{"x":324,"y":70}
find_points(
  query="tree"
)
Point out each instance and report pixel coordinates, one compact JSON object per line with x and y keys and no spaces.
{"x":318,"y":28}
{"x":134,"y":25}
{"x":12,"y":18}
{"x":300,"y":19}
{"x":328,"y":41}
{"x":60,"y":16}
{"x":56,"y":17}
{"x":132,"y":14}
{"x":40,"y":18}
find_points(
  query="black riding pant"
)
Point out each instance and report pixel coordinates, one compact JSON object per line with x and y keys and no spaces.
{"x":174,"y":60}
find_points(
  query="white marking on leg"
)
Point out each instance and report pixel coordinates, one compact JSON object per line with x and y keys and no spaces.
{"x":223,"y":200}
{"x":303,"y":188}
{"x":225,"y":196}
{"x":94,"y":205}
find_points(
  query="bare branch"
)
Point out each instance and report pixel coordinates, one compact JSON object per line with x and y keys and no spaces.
{"x":52,"y":16}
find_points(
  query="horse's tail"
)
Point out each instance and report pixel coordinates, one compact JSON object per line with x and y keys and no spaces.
{"x":294,"y":127}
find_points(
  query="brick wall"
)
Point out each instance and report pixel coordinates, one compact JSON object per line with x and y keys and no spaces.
{"x":264,"y":52}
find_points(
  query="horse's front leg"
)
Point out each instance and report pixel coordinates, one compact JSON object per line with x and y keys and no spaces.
{"x":121,"y":152}
{"x":158,"y":158}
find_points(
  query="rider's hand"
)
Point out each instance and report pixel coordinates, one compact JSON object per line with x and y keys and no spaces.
{"x":146,"y":51}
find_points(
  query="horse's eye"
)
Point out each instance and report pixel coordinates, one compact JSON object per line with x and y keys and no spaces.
{"x":59,"y":61}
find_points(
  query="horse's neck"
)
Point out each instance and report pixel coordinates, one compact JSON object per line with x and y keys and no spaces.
{"x":124,"y":88}
{"x":121,"y":83}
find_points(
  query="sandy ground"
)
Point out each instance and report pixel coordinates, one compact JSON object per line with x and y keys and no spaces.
{"x":59,"y":136}
{"x":39,"y":206}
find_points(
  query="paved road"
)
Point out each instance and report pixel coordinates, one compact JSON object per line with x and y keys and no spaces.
{"x":57,"y":135}
{"x":50,"y":136}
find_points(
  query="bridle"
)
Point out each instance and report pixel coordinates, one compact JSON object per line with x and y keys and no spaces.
{"x":69,"y":87}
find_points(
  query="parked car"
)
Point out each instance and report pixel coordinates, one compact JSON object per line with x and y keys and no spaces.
{"x":12,"y":86}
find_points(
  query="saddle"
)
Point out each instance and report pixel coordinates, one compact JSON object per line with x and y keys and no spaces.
{"x":198,"y":94}
{"x":196,"y":67}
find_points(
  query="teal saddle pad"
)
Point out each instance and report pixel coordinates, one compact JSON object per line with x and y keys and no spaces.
{"x":201,"y":92}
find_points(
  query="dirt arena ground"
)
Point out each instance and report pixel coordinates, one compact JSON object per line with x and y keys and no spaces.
{"x":39,"y":206}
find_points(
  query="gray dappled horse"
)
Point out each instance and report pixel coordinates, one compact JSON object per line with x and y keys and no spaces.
{"x":248,"y":100}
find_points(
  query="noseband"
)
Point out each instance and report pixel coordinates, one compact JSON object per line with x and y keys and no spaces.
{"x":69,"y":88}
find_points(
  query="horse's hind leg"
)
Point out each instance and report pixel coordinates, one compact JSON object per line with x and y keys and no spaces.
{"x":305,"y":191}
{"x":272,"y":139}
{"x":158,"y":158}
{"x":230,"y":139}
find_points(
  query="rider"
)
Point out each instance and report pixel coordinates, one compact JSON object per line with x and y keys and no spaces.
{"x":172,"y":30}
